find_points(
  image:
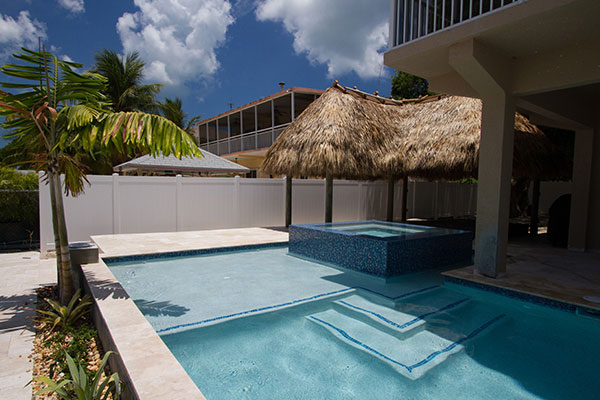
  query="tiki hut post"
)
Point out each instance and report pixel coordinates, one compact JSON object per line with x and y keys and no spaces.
{"x":404,"y":197}
{"x":288,"y":200}
{"x":535,"y":207}
{"x":328,"y":197}
{"x":390,"y":200}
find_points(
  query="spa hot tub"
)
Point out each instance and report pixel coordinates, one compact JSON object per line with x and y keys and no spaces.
{"x":383,"y":249}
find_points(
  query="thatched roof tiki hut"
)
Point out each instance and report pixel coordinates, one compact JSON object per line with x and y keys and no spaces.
{"x":337,"y":136}
{"x":350,"y":134}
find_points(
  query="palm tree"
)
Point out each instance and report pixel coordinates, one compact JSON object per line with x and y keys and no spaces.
{"x":173,"y":111}
{"x":124,"y":88}
{"x":58,"y":114}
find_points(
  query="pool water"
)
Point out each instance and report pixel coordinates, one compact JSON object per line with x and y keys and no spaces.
{"x":378,"y":230}
{"x":412,"y":339}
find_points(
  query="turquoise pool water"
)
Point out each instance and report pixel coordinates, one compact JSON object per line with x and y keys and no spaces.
{"x":264,"y":325}
{"x":378,"y":230}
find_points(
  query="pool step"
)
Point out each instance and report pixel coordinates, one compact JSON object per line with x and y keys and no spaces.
{"x":412,"y":357}
{"x":387,"y":318}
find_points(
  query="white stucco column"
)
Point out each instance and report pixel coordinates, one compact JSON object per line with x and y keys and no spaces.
{"x":493,"y":188}
{"x":489,"y":74}
{"x":580,"y":197}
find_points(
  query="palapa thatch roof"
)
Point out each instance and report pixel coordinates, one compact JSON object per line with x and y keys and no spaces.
{"x":352,"y":134}
{"x":338,"y":134}
{"x":438,"y":138}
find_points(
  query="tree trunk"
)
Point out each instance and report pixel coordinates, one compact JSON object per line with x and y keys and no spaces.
{"x":64,"y":261}
{"x":55,"y":228}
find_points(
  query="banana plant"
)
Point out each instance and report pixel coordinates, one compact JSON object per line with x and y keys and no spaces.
{"x":81,"y":386}
{"x":57,"y":114}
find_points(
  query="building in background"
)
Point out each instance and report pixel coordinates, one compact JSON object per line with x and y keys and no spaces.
{"x":243,"y":135}
{"x":540,"y":57}
{"x":207,"y":165}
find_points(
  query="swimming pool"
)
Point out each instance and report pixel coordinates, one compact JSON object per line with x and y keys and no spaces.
{"x":245,"y":324}
{"x":383,"y":249}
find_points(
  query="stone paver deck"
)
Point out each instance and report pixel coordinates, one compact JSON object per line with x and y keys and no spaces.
{"x":21,"y":274}
{"x":544,"y":271}
{"x":147,"y":243}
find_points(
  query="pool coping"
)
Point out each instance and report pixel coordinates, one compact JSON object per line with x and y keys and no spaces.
{"x":519,"y":294}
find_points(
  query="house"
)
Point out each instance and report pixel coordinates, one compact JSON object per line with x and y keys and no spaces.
{"x":244,"y":134}
{"x":538,"y":57}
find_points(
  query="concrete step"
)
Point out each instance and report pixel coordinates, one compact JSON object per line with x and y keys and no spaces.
{"x":387,"y":318}
{"x":412,"y":357}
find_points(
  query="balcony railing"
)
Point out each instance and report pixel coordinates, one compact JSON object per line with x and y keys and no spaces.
{"x":413,"y":19}
{"x":248,"y":141}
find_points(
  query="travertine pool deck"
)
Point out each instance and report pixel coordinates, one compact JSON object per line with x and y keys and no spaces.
{"x":547,"y":272}
{"x":148,"y":243}
{"x":22,"y":273}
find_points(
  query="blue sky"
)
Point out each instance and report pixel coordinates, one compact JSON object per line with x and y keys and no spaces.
{"x":214,"y":52}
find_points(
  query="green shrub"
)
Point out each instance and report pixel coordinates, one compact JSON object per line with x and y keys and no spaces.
{"x":81,"y":386}
{"x":19,"y":199}
{"x":75,"y":342}
{"x":64,"y":316}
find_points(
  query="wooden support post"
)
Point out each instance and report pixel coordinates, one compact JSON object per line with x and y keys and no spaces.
{"x":404,"y":197}
{"x":288,"y":200}
{"x":328,"y":198}
{"x":535,"y":207}
{"x":390,"y":200}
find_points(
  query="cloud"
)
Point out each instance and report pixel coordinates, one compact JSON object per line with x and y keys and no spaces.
{"x":20,"y":32}
{"x":75,"y":6}
{"x":176,"y":38}
{"x":345,"y":35}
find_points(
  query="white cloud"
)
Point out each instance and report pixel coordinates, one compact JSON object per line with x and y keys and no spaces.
{"x":20,"y":32}
{"x":75,"y":6}
{"x":346,"y":35}
{"x":176,"y":38}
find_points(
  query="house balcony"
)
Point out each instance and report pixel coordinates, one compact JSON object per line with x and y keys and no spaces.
{"x":541,"y":44}
{"x":414,"y":19}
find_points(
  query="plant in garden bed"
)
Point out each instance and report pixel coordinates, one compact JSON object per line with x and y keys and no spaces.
{"x":81,"y":386}
{"x":54,"y":344}
{"x":66,"y":316}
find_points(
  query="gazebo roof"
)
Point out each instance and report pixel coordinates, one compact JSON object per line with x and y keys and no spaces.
{"x":351,"y":134}
{"x":209,"y":162}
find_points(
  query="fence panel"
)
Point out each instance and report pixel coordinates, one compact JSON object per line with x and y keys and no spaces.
{"x":131,"y":204}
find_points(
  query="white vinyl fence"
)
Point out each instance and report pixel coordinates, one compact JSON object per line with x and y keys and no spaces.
{"x":132,"y":204}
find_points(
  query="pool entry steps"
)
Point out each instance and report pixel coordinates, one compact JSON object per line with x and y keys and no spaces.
{"x":411,"y":337}
{"x":383,"y":249}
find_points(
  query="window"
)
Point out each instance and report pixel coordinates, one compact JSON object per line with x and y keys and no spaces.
{"x":263,"y":114}
{"x":234,"y":124}
{"x":301,"y":102}
{"x":283,"y":109}
{"x":248,"y":120}
{"x":212,"y":131}
{"x":202,"y":133}
{"x":223,"y":128}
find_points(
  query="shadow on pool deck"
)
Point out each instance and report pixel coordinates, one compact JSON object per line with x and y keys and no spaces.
{"x":17,"y":312}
